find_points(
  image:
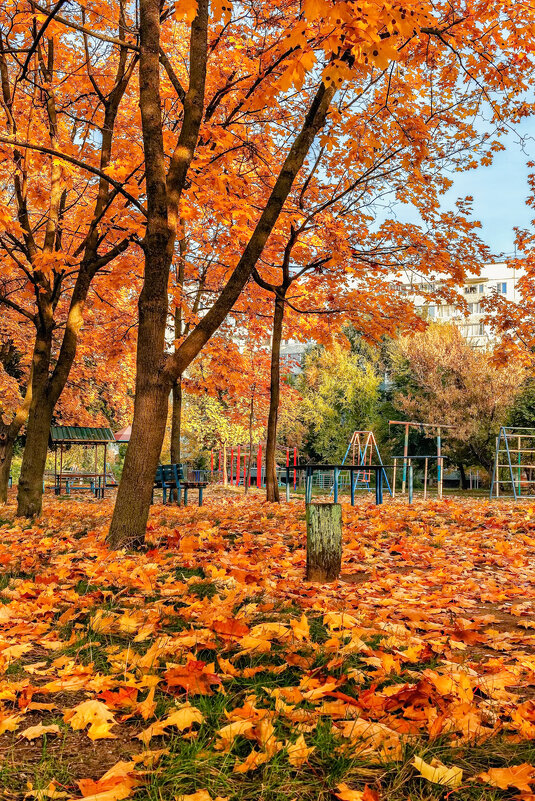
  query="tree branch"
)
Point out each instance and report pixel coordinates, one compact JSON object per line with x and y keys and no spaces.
{"x":7,"y":140}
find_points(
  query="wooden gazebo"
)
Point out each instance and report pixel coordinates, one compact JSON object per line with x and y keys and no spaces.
{"x":62,"y":437}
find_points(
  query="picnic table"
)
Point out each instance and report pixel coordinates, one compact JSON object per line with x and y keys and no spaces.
{"x":95,"y":482}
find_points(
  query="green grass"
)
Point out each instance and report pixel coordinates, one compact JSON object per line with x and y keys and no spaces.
{"x":203,"y":589}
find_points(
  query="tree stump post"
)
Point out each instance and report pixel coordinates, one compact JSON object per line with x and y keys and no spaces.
{"x":324,"y":541}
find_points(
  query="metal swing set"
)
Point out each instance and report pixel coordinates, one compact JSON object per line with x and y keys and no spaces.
{"x":407,"y":480}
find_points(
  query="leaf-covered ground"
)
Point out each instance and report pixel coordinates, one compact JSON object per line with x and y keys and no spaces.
{"x":207,"y":668}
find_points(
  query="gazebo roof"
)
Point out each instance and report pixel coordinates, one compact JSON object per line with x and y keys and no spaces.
{"x":124,"y":434}
{"x":62,"y":435}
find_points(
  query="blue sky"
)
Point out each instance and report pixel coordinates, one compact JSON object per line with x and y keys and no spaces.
{"x":500,"y":191}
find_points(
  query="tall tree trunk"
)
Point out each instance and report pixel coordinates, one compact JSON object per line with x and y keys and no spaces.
{"x":6,"y":455}
{"x":176,"y":420}
{"x":148,"y":429}
{"x":150,"y":406}
{"x":30,"y":489}
{"x":464,"y":480}
{"x":272,"y":486}
{"x":156,"y":372}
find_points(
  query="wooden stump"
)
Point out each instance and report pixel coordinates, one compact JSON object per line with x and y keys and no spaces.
{"x":324,"y":541}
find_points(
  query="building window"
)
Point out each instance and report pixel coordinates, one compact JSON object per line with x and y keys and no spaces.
{"x":470,"y":290}
{"x":481,"y":288}
{"x":481,"y":329}
{"x":431,"y":312}
{"x":502,"y":287}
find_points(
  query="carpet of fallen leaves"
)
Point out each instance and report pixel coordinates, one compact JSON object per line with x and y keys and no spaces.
{"x":206,"y":667}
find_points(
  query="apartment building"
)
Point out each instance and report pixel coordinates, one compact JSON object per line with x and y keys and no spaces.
{"x":498,"y":278}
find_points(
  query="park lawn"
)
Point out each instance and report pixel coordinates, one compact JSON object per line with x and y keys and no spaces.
{"x":206,"y":667}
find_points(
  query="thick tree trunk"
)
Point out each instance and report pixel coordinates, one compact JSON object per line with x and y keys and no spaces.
{"x":148,"y":429}
{"x":156,"y":374}
{"x":176,"y":420}
{"x":324,"y":541}
{"x":6,"y":455}
{"x":30,"y":492}
{"x":272,"y":487}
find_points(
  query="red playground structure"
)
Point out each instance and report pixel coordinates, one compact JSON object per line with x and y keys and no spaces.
{"x":237,"y":466}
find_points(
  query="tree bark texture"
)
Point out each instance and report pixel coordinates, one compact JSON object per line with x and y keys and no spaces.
{"x":30,"y":489}
{"x":272,"y":486}
{"x":324,"y":541}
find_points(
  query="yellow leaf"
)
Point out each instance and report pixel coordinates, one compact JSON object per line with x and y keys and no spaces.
{"x":182,"y":718}
{"x":48,"y":792}
{"x":301,"y":629}
{"x":228,"y":733}
{"x":37,"y":731}
{"x":94,"y":714}
{"x":345,"y":793}
{"x":10,"y":723}
{"x":251,"y":762}
{"x":438,"y":773}
{"x":298,"y":752}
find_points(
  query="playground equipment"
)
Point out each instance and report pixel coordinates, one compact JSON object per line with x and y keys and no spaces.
{"x":407,"y":460}
{"x":378,"y":469}
{"x":240,"y":458}
{"x":514,"y":466}
{"x":364,"y":453}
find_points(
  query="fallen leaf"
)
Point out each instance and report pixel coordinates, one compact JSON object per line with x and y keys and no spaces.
{"x":520,"y":776}
{"x":37,"y":731}
{"x":438,"y":773}
{"x":94,"y":714}
{"x":298,"y":752}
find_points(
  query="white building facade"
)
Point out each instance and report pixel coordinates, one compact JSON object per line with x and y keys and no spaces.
{"x":499,"y":278}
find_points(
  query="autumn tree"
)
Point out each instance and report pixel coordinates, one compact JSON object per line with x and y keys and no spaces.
{"x":61,"y":222}
{"x":285,"y":81}
{"x":340,"y":395}
{"x":440,"y":378}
